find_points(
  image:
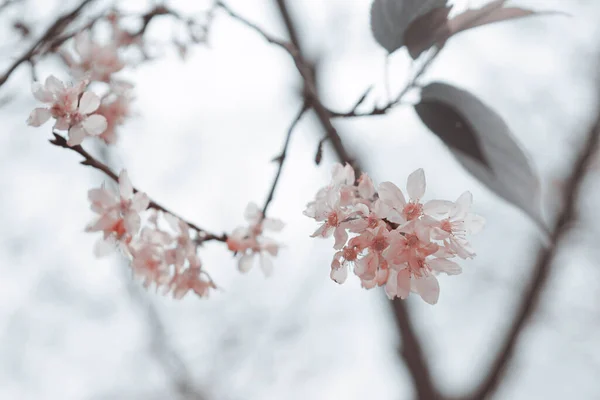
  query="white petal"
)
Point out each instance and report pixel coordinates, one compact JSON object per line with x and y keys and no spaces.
{"x":89,"y":103}
{"x":444,"y":265}
{"x":437,"y":207}
{"x":125,"y":187}
{"x":132,"y":222}
{"x":339,"y":275}
{"x":266,"y":264}
{"x":102,"y":196}
{"x":252,"y":213}
{"x":245,"y":262}
{"x":341,"y":236}
{"x":61,"y":124}
{"x":54,"y":85}
{"x":366,"y":190}
{"x":38,"y":117}
{"x":428,"y":288}
{"x":391,"y":286}
{"x":40,"y":93}
{"x":83,"y":44}
{"x":391,"y":195}
{"x":474,"y":223}
{"x":416,"y":184}
{"x":403,"y":283}
{"x":461,"y":207}
{"x":140,"y":202}
{"x":76,"y":135}
{"x":94,"y":124}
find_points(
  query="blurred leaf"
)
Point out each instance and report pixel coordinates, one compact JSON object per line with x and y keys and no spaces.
{"x":390,"y":19}
{"x":488,"y":14}
{"x":450,"y":126}
{"x":483,"y":144}
{"x":427,"y":30}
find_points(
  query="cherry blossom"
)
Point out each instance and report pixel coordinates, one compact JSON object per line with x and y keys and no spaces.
{"x":118,"y":212}
{"x":115,"y":107}
{"x":191,"y":279}
{"x":71,"y":106}
{"x":248,"y":243}
{"x":95,"y":61}
{"x":388,"y":241}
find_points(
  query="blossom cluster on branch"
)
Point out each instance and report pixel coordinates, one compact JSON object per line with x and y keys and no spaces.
{"x":389,"y":241}
{"x":161,"y":247}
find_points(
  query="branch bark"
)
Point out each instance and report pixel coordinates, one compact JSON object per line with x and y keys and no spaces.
{"x":542,"y":269}
{"x":91,"y":161}
{"x":53,"y":31}
{"x":411,"y":352}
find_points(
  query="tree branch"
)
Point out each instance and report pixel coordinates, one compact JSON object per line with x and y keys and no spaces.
{"x":54,"y":30}
{"x":411,"y":347}
{"x":542,"y":269}
{"x":89,"y":160}
{"x":281,"y":158}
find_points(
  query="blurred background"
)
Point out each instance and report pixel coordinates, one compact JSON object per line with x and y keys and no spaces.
{"x":201,"y":142}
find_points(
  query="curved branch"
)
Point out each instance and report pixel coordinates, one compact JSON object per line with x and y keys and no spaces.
{"x":542,"y":269}
{"x":89,"y":160}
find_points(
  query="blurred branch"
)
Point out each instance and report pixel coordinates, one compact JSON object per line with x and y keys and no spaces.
{"x":173,"y":365}
{"x":54,"y":30}
{"x":167,"y":356}
{"x":542,"y":269}
{"x":281,"y":158}
{"x":91,"y":161}
{"x":412,"y":352}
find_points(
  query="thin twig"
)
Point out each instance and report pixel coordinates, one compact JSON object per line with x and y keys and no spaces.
{"x":89,"y":160}
{"x":281,"y":158}
{"x":411,"y":84}
{"x":54,"y":30}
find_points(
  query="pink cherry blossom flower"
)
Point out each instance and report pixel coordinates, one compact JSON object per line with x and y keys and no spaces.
{"x":334,"y":217}
{"x":115,"y":107}
{"x":118,"y":213}
{"x":149,"y":263}
{"x":71,"y":106}
{"x":420,"y":278}
{"x":343,"y":260}
{"x":96,"y":62}
{"x":401,"y":244}
{"x":185,"y":248}
{"x":459,"y":222}
{"x":374,"y":242}
{"x":191,"y":279}
{"x":249,"y":243}
{"x":400,"y":211}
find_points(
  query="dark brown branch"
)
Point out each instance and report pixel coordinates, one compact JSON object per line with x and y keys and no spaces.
{"x":543,"y":268}
{"x":412,"y":352}
{"x":280,"y":159}
{"x":91,"y":161}
{"x":54,"y":30}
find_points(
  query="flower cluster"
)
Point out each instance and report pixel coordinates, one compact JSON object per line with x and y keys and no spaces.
{"x":395,"y":243}
{"x":159,"y":245}
{"x":248,"y":241}
{"x":75,"y":108}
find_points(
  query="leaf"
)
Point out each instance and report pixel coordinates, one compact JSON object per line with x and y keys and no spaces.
{"x":447,"y":124}
{"x":427,"y":30}
{"x":391,"y":18}
{"x":488,"y":14}
{"x":502,"y":166}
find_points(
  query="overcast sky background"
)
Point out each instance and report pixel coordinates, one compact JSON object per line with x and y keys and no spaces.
{"x":73,"y":327}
